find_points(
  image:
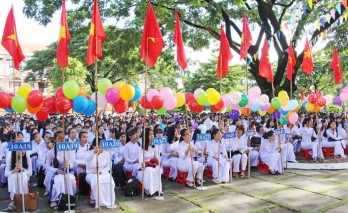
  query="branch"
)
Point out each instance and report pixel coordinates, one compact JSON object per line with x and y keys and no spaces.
{"x":286,"y":6}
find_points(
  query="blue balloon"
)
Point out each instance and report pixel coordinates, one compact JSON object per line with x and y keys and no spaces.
{"x":203,"y":128}
{"x":293,"y":104}
{"x":80,"y":104}
{"x":9,"y":110}
{"x":284,"y":112}
{"x":137,"y":93}
{"x":256,"y":106}
{"x":90,"y":109}
{"x":162,"y":126}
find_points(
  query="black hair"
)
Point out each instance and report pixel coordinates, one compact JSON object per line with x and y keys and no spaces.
{"x":214,"y":132}
{"x":81,"y":134}
{"x":182,"y":134}
{"x":305,"y":121}
{"x":268,"y":134}
{"x":146,"y":140}
{"x":14,"y":160}
{"x":195,"y":133}
{"x":328,"y":127}
{"x":268,"y":124}
{"x":241,"y":127}
{"x":171,"y":134}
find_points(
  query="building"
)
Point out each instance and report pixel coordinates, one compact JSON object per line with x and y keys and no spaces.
{"x":9,"y":76}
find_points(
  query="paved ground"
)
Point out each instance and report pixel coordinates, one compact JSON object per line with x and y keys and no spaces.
{"x":295,"y":191}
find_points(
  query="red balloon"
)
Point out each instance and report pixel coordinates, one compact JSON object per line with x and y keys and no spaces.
{"x":321,"y":101}
{"x":312,"y":98}
{"x":219,"y":105}
{"x":42,"y":115}
{"x":157,"y":102}
{"x":189,"y":96}
{"x":49,"y":105}
{"x":35,"y":98}
{"x":5,"y":100}
{"x":121,"y":106}
{"x":11,"y":96}
{"x":63,"y":105}
{"x":59,"y":92}
{"x":145,"y":103}
{"x":199,"y":108}
{"x":193,"y":105}
{"x":214,"y":108}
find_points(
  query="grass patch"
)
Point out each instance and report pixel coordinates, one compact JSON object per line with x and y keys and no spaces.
{"x":275,"y":191}
{"x":265,"y":209}
{"x":125,"y":208}
{"x":210,"y":195}
{"x":333,"y":206}
{"x":333,"y":188}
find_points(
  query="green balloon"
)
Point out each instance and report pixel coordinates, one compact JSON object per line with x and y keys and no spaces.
{"x":71,"y":89}
{"x":19,"y":104}
{"x":161,"y":111}
{"x":202,"y":98}
{"x":283,"y":120}
{"x":244,"y":101}
{"x":103,"y":85}
{"x":276,"y":103}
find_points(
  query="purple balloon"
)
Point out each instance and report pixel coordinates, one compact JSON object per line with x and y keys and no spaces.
{"x":234,"y":115}
{"x":276,"y":114}
{"x":264,"y":107}
{"x":337,"y":100}
{"x":176,"y":118}
{"x":195,"y":125}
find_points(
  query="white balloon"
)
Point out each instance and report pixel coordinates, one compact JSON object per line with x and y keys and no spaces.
{"x":208,"y":123}
{"x":101,"y":100}
{"x":236,"y":97}
{"x":227,"y":100}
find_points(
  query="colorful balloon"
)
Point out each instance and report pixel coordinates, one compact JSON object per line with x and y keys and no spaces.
{"x":82,"y":92}
{"x":63,"y":105}
{"x":34,"y":110}
{"x":161,"y":111}
{"x":157,"y":102}
{"x":5,"y":100}
{"x":49,"y":104}
{"x":112,"y":95}
{"x":19,"y":104}
{"x":213,"y":96}
{"x":118,"y":85}
{"x":35,"y":98}
{"x":24,"y":90}
{"x":293,"y":118}
{"x":137,"y":93}
{"x":180,"y":98}
{"x":127,"y":92}
{"x":80,"y":104}
{"x":71,"y":89}
{"x":169,"y":102}
{"x":276,"y":103}
{"x":59,"y":92}
{"x":244,"y":101}
{"x":121,"y":106}
{"x":202,"y":98}
{"x":234,"y":114}
{"x":42,"y":115}
{"x":151,"y":93}
{"x":90,"y":109}
{"x":103,"y":85}
{"x":236,"y":97}
{"x":254,"y":92}
{"x":144,"y":103}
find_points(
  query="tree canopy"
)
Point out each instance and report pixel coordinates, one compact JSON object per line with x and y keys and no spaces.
{"x":123,"y":20}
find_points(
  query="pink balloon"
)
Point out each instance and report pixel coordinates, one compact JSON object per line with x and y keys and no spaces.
{"x":254,"y":92}
{"x":195,"y":125}
{"x":227,"y":100}
{"x":197,"y":91}
{"x":169,"y":102}
{"x":151,"y":93}
{"x":166,"y":91}
{"x":235,"y":106}
{"x":344,"y":96}
{"x":112,"y":95}
{"x":250,"y":104}
{"x":293,"y":118}
{"x":345,"y":89}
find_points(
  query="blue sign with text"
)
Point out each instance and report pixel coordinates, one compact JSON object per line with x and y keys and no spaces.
{"x":67,"y":146}
{"x":159,"y":141}
{"x":288,"y":135}
{"x":279,"y":131}
{"x":250,"y":133}
{"x":109,"y":144}
{"x":20,"y":146}
{"x":229,"y":135}
{"x":203,"y":137}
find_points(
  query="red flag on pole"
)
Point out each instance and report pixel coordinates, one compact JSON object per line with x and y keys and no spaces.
{"x":96,"y":36}
{"x":302,"y":96}
{"x":265,"y":69}
{"x":180,"y":51}
{"x":291,"y":62}
{"x":63,"y":40}
{"x":10,"y":40}
{"x":336,"y":67}
{"x":225,"y":55}
{"x":307,"y":63}
{"x":246,"y":39}
{"x":152,"y":42}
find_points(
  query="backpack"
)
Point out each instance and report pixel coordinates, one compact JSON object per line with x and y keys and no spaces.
{"x":131,"y":188}
{"x":83,"y":185}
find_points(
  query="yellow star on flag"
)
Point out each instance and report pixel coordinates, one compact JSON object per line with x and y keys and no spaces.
{"x":242,"y":37}
{"x":14,"y":36}
{"x":91,"y":30}
{"x":290,"y":60}
{"x":62,"y":33}
{"x":268,"y":58}
{"x":307,"y":54}
{"x":152,"y":39}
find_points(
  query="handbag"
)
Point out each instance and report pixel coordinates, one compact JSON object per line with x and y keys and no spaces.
{"x":63,"y":202}
{"x":152,"y":163}
{"x":313,"y":138}
{"x":30,"y":202}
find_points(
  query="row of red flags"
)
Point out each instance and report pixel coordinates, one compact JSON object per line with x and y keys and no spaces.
{"x":152,"y":44}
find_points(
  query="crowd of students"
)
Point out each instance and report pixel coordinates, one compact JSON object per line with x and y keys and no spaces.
{"x":255,"y":137}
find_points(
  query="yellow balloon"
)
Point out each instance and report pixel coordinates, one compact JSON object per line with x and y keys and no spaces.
{"x":24,"y":90}
{"x":127,"y":92}
{"x":180,"y":97}
{"x":262,"y":113}
{"x":118,"y":85}
{"x":213,"y":96}
{"x":284,"y":100}
{"x":282,"y":93}
{"x":309,"y":107}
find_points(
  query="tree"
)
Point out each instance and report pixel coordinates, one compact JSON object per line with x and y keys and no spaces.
{"x":201,"y":20}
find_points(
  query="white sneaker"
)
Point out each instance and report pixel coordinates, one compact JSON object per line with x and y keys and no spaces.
{"x":46,"y":194}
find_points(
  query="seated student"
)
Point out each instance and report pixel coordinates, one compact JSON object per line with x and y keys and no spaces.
{"x":3,"y":154}
{"x":217,"y":158}
{"x":72,"y":135}
{"x":269,"y":153}
{"x":200,"y":146}
{"x":44,"y":147}
{"x":79,"y":163}
{"x":36,"y":143}
{"x":332,"y":138}
{"x":239,"y":147}
{"x":131,"y":153}
{"x":170,"y":154}
{"x":17,"y":174}
{"x":255,"y":142}
{"x":149,"y":175}
{"x":119,"y":160}
{"x":309,"y":140}
{"x":56,"y":165}
{"x":288,"y":153}
{"x":186,"y":153}
{"x":106,"y":196}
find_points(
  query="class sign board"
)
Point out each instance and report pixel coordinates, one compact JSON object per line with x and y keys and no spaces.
{"x":229,"y":135}
{"x":250,"y":133}
{"x":288,"y":135}
{"x":67,"y":146}
{"x":279,"y":131}
{"x":203,"y":137}
{"x":156,"y":141}
{"x":109,"y":144}
{"x":20,"y":146}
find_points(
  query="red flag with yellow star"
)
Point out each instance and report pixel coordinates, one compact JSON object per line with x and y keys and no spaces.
{"x":96,"y":36}
{"x":225,"y":55}
{"x":63,"y":40}
{"x":246,"y":39}
{"x":152,"y":41}
{"x":336,"y":67}
{"x":307,"y":63}
{"x":291,"y":62}
{"x":10,"y":40}
{"x":265,"y":69}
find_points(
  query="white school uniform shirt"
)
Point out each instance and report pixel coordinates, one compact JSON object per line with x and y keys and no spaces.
{"x":36,"y":147}
{"x":239,"y":143}
{"x":104,"y":162}
{"x":307,"y":133}
{"x":169,"y":149}
{"x":182,"y":148}
{"x":69,"y":158}
{"x":214,"y":149}
{"x":42,"y":154}
{"x":131,"y":152}
{"x":119,"y":153}
{"x":232,"y":128}
{"x":91,"y":137}
{"x":80,"y":155}
{"x":3,"y":150}
{"x":268,"y":147}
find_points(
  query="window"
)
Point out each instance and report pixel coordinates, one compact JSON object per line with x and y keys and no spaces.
{"x":21,"y":66}
{"x":10,"y":63}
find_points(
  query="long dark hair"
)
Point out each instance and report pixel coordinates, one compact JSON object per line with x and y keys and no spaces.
{"x":195,"y":133}
{"x":146,"y":140}
{"x":171,"y":134}
{"x":268,"y":134}
{"x":182,"y":134}
{"x":13,"y":160}
{"x":328,"y":127}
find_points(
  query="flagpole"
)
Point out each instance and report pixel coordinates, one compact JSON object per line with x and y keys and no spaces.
{"x":219,"y":120}
{"x":247,"y":89}
{"x":279,"y":142}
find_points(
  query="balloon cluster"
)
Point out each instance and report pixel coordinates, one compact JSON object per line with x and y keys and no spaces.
{"x":162,"y":100}
{"x":118,"y":94}
{"x":315,"y":101}
{"x":343,"y":97}
{"x":197,"y":101}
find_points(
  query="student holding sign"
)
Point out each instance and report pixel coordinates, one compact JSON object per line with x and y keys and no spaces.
{"x":186,"y":152}
{"x":105,"y":182}
{"x":56,"y":163}
{"x":14,"y":168}
{"x":218,"y":155}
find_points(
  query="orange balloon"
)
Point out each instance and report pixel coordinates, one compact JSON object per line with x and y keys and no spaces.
{"x":82,"y":91}
{"x":33,"y":110}
{"x":316,"y":108}
{"x":245,"y":111}
{"x":271,"y":109}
